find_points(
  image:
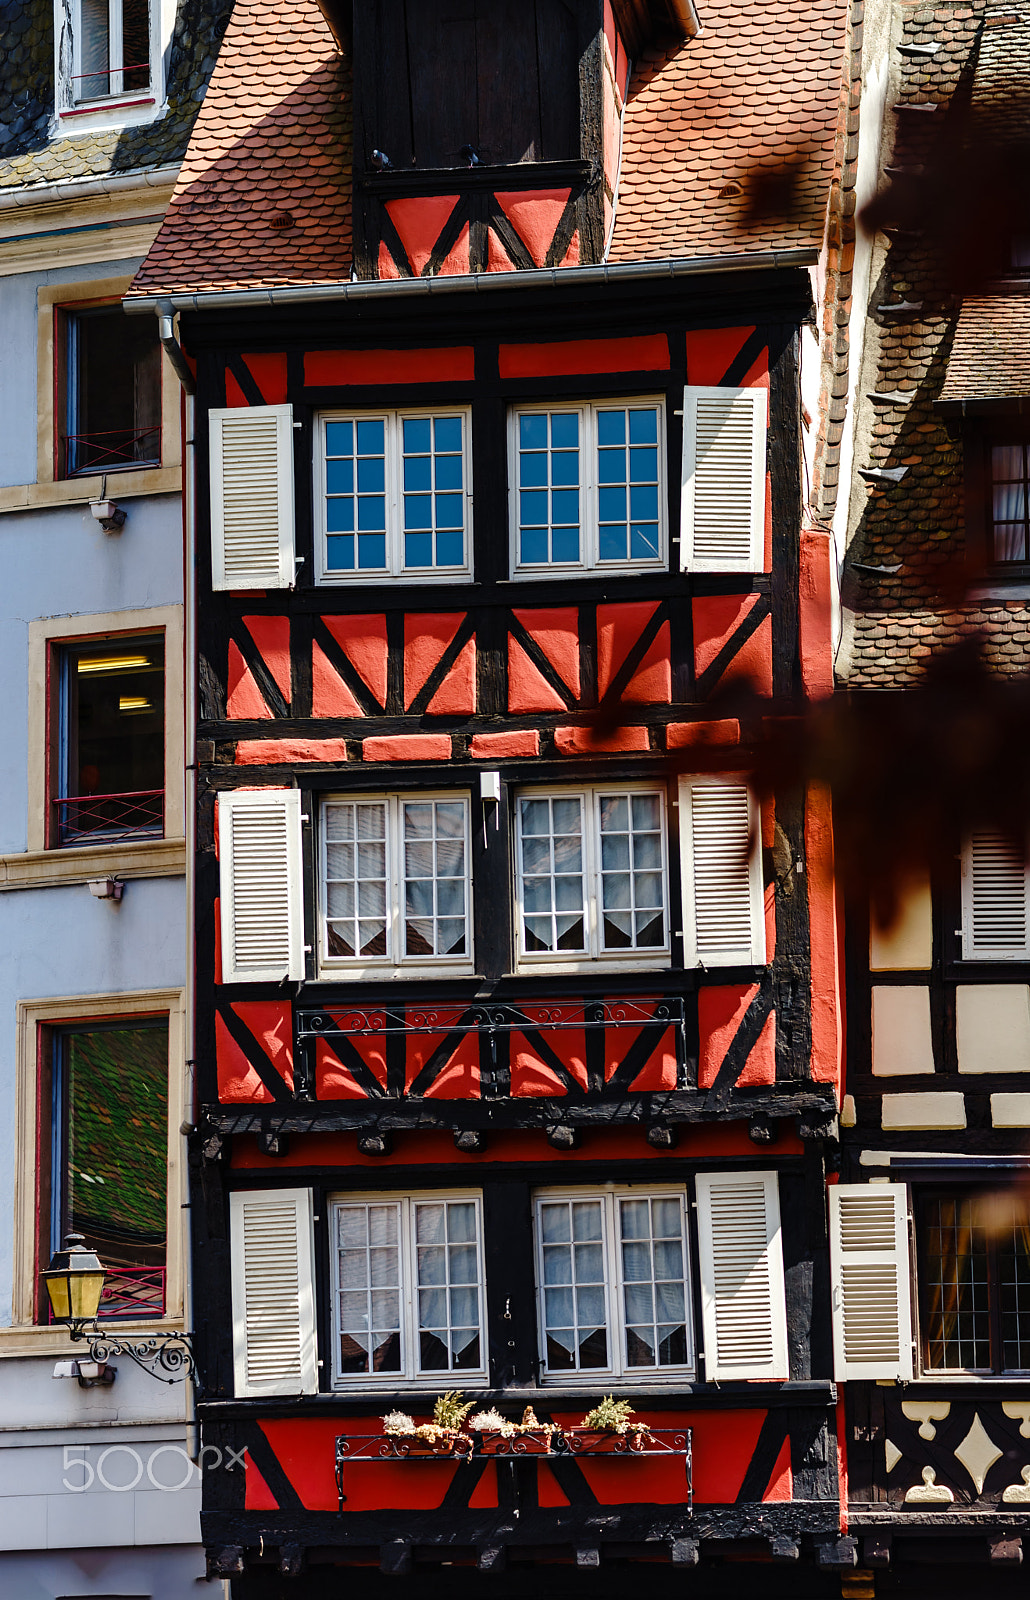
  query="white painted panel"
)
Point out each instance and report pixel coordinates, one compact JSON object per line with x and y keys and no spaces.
{"x":252,"y":511}
{"x":271,"y":1235}
{"x":722,"y":518}
{"x":1010,"y":1110}
{"x":743,"y":1304}
{"x":907,"y":944}
{"x":902,"y":1043}
{"x":872,"y":1315}
{"x":721,"y":874}
{"x":926,"y":1110}
{"x":992,"y":1027}
{"x":260,"y":871}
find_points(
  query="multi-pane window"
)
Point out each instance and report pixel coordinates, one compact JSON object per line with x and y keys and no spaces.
{"x":591,"y":874}
{"x":395,"y":879}
{"x":112,"y":49}
{"x":612,"y":1279}
{"x":974,"y":1278}
{"x":111,"y":416}
{"x":408,"y":1288}
{"x":108,"y":1155}
{"x":107,"y":777}
{"x":394,"y":495}
{"x":588,"y":487}
{"x":1009,"y":467}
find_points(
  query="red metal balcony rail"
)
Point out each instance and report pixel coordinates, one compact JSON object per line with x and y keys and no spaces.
{"x":112,"y":449}
{"x":131,"y":1292}
{"x":109,"y":818}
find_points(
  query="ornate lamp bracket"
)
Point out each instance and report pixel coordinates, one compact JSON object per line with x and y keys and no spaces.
{"x":168,"y":1357}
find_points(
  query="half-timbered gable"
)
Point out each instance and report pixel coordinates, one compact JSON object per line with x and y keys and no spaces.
{"x":517,"y":1026}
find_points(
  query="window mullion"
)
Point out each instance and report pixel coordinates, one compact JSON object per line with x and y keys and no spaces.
{"x":613,"y":1288}
{"x":994,"y":1306}
{"x":395,"y":879}
{"x":588,"y":480}
{"x":409,"y":1296}
{"x":592,"y":861}
{"x":394,"y":470}
{"x":115,"y":48}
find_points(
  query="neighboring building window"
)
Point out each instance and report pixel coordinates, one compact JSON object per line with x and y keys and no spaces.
{"x":613,"y":1280}
{"x":588,"y":487}
{"x":1009,"y":468}
{"x":112,"y":55}
{"x":396,"y":881}
{"x":974,"y":1280}
{"x":108,"y":1155}
{"x":408,"y":1288}
{"x":995,"y":898}
{"x":393,"y":493}
{"x":108,"y":773}
{"x":592,"y":875}
{"x":112,"y":393}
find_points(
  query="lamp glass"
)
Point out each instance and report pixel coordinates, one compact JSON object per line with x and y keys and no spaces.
{"x":74,"y":1283}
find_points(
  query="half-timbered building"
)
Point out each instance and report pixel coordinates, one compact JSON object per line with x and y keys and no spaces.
{"x":928,"y":1223}
{"x":516,"y":1018}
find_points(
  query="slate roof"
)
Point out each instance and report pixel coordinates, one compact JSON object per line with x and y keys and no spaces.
{"x":990,"y":354}
{"x":761,"y":87}
{"x":28,"y":155}
{"x":941,"y":347}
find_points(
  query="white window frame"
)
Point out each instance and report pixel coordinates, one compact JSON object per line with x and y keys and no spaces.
{"x":395,"y":571}
{"x":590,"y":560}
{"x":394,"y":964}
{"x":618,"y":1369}
{"x":594,"y":958}
{"x":439,"y":1379}
{"x":121,"y":107}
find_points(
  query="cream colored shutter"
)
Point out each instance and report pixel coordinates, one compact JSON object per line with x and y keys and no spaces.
{"x":722,"y":504}
{"x":995,"y":922}
{"x":872,"y":1316}
{"x":743,"y":1308}
{"x":271,"y":1237}
{"x":259,"y":849}
{"x":252,"y":543}
{"x":721,"y":873}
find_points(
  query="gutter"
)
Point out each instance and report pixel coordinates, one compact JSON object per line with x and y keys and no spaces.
{"x":173,"y":350}
{"x":476,"y":283}
{"x":68,"y":189}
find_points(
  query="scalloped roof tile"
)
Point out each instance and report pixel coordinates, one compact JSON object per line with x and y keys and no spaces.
{"x":759,"y":91}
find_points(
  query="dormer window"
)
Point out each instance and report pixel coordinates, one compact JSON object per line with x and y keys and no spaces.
{"x":108,"y":61}
{"x":464,"y":82}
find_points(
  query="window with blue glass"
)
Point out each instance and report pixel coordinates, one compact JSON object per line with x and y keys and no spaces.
{"x":588,"y":487}
{"x":394,"y":495}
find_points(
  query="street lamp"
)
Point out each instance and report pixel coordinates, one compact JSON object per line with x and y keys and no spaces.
{"x":74,"y":1283}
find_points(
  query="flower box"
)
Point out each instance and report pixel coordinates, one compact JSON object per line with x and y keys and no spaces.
{"x":528,"y":1442}
{"x":606,"y":1441}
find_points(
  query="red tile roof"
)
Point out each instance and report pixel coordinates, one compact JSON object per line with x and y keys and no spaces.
{"x":272,"y":141}
{"x":758,"y":92}
{"x":745,"y":114}
{"x":990,"y":356}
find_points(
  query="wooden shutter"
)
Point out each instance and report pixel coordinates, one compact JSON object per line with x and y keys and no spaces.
{"x":252,"y":545}
{"x":722,"y":508}
{"x":721,"y":873}
{"x":743,"y":1307}
{"x":995,"y":920}
{"x":271,"y":1234}
{"x":259,"y":846}
{"x":872,"y":1316}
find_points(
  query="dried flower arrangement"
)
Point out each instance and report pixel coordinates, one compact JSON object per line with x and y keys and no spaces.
{"x":612,"y":1416}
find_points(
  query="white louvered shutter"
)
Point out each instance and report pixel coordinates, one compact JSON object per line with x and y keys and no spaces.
{"x":872,"y":1315}
{"x":995,"y":919}
{"x":259,"y":850}
{"x":722,"y":506}
{"x":252,"y":539}
{"x":721,"y":872}
{"x":271,"y":1237}
{"x":743,"y":1307}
